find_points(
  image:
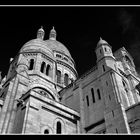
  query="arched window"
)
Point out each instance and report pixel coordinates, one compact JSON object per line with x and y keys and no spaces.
{"x":87,"y":100}
{"x":125,"y":86}
{"x":99,"y":95}
{"x":123,"y":83}
{"x":127,"y":59}
{"x":125,"y":95}
{"x":59,"y":76}
{"x":48,"y":70}
{"x":124,"y":99}
{"x":58,"y":127}
{"x":43,"y":66}
{"x":44,"y":91}
{"x":66,"y":79}
{"x":31,"y":64}
{"x":105,"y":49}
{"x":46,"y":131}
{"x":57,"y":55}
{"x":103,"y":68}
{"x":93,"y":97}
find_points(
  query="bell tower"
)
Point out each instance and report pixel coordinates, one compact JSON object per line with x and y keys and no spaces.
{"x":105,"y":58}
{"x":109,"y":79}
{"x":103,"y":49}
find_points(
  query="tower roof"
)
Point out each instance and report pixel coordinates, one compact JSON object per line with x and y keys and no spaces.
{"x":102,"y":42}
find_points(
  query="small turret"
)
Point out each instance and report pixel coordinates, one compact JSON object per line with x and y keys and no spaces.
{"x":41,"y":33}
{"x":52,"y":35}
{"x":105,"y":58}
{"x":103,"y":49}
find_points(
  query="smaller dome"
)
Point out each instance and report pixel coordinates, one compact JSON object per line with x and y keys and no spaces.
{"x":41,"y":33}
{"x":52,"y":35}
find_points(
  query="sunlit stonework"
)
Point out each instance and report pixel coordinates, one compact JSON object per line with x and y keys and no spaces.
{"x":42,"y":93}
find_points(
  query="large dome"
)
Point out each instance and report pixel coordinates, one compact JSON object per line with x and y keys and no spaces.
{"x":46,"y":45}
{"x":57,"y":46}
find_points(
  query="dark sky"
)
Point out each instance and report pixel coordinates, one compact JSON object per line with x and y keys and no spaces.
{"x":78,"y":28}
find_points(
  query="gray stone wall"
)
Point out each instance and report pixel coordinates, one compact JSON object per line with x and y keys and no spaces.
{"x":133,"y":115}
{"x":43,"y":113}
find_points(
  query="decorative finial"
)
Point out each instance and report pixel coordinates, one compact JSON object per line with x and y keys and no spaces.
{"x":101,"y":38}
{"x":40,"y":33}
{"x":11,"y":59}
{"x":123,"y":48}
{"x":52,"y":35}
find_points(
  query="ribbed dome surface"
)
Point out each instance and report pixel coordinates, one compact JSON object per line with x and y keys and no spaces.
{"x":45,"y":45}
{"x":56,"y":45}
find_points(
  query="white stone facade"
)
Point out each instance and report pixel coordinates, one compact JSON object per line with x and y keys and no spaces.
{"x":41,"y":93}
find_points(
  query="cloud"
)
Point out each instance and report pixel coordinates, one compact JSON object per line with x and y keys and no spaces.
{"x":126,"y":20}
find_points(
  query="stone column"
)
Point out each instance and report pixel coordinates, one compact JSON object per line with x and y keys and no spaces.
{"x":82,"y":113}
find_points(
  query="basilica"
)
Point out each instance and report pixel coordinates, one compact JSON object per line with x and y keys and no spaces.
{"x":42,"y":93}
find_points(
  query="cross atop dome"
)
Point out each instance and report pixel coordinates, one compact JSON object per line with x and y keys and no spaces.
{"x":52,"y":35}
{"x":41,"y":33}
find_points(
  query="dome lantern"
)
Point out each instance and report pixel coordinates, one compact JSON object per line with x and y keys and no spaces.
{"x":40,"y":33}
{"x":52,"y":35}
